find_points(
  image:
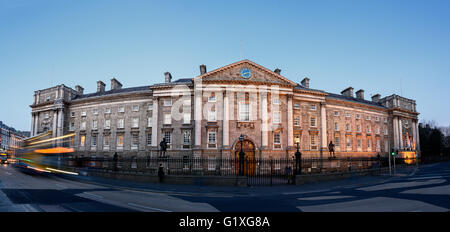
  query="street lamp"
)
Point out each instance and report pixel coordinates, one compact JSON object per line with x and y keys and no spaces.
{"x":298,"y":158}
{"x":241,"y":156}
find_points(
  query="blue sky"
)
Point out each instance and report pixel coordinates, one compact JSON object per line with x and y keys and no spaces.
{"x":386,"y":47}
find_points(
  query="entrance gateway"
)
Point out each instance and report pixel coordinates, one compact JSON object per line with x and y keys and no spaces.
{"x":249,"y":159}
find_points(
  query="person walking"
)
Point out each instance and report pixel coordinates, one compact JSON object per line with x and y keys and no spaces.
{"x":331,"y":149}
{"x":115,"y":161}
{"x":161,"y":173}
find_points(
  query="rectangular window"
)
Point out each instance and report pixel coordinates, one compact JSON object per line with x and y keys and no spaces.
{"x":312,"y":107}
{"x":277,"y":117}
{"x":377,"y":119}
{"x":82,"y":140}
{"x":385,"y":131}
{"x":359,"y":143}
{"x":212,"y":116}
{"x":72,"y":126}
{"x":121,"y":109}
{"x":336,"y":126}
{"x":378,"y":145}
{"x":337,"y":141}
{"x":135,"y":108}
{"x":368,"y":129}
{"x":212,"y":98}
{"x":95,"y":111}
{"x":377,"y":130}
{"x":106,"y":140}
{"x":94,"y":141}
{"x":313,"y":122}
{"x":212,"y":139}
{"x":244,"y":111}
{"x":347,"y":115}
{"x":276,"y":101}
{"x":367,"y":117}
{"x":358,"y":116}
{"x":296,"y":106}
{"x":186,"y":138}
{"x":134,"y":141}
{"x":149,"y":121}
{"x":167,"y":119}
{"x":108,"y":124}
{"x":349,"y":142}
{"x":168,"y":102}
{"x":168,"y":136}
{"x":83,"y":126}
{"x":385,"y":120}
{"x":83,"y":113}
{"x":358,"y":128}
{"x":369,"y":142}
{"x":347,"y":127}
{"x":296,"y":121}
{"x":46,"y":115}
{"x":94,"y":124}
{"x":107,"y":110}
{"x":336,"y":113}
{"x":135,"y":123}
{"x":149,"y":139}
{"x":120,"y":141}
{"x":187,"y":118}
{"x":72,"y":114}
{"x":150,"y":106}
{"x":277,"y":138}
{"x":314,"y":142}
{"x":120,"y":123}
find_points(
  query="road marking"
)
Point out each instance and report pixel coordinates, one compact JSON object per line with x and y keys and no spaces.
{"x":150,"y":208}
{"x":305,"y":192}
{"x":94,"y":195}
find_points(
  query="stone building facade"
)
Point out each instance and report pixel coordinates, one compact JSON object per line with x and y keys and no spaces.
{"x":204,"y":116}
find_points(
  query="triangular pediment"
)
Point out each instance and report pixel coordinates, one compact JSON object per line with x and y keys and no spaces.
{"x":245,"y":71}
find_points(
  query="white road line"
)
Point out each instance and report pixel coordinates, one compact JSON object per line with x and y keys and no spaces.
{"x":94,"y":195}
{"x":150,"y":208}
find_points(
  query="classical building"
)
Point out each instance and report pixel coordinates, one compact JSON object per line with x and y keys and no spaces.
{"x":10,"y":139}
{"x":204,"y":116}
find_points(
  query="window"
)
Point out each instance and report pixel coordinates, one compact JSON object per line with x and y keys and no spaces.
{"x":377,"y":119}
{"x":336,"y":126}
{"x":107,"y":124}
{"x":121,"y":109}
{"x":187,"y":102}
{"x":94,"y":124}
{"x":296,"y":106}
{"x":349,"y":142}
{"x":120,"y":141}
{"x":168,"y":102}
{"x":347,"y":115}
{"x":358,"y":116}
{"x":149,"y":122}
{"x":135,"y":123}
{"x":277,"y":138}
{"x":378,"y":145}
{"x":150,"y":107}
{"x":95,"y":111}
{"x":336,"y":113}
{"x":276,"y":101}
{"x":314,"y":142}
{"x":72,"y":126}
{"x":46,"y":115}
{"x":367,"y":117}
{"x":149,"y":139}
{"x":186,"y":138}
{"x":369,"y":142}
{"x":386,"y":131}
{"x":72,"y":114}
{"x":83,"y":113}
{"x":211,"y":139}
{"x":212,"y":115}
{"x":296,"y":121}
{"x":337,"y":141}
{"x":359,"y":143}
{"x":107,"y":110}
{"x":167,"y":119}
{"x":276,"y":117}
{"x":347,"y":127}
{"x":377,"y":130}
{"x":212,"y":98}
{"x":313,"y":122}
{"x":368,"y":129}
{"x":94,"y":140}
{"x":168,"y":136}
{"x":106,"y":140}
{"x":312,"y":107}
{"x":47,"y":99}
{"x":244,"y":111}
{"x":385,"y":120}
{"x":358,"y":128}
{"x":134,"y":141}
{"x":120,"y":123}
{"x":187,"y":118}
{"x":82,"y":140}
{"x":83,"y":126}
{"x":135,"y":108}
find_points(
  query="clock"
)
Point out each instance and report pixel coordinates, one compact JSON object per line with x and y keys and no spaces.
{"x":246,"y":73}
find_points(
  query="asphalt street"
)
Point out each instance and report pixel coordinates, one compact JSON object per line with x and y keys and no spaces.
{"x":422,"y":189}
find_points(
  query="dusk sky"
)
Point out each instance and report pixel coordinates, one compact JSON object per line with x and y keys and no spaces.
{"x":386,"y":47}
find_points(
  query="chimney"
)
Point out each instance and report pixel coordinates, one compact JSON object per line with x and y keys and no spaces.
{"x":360,"y":94}
{"x":305,"y":82}
{"x":100,"y":87}
{"x":202,"y":69}
{"x":115,"y":84}
{"x":168,"y":77}
{"x":277,"y":71}
{"x":376,"y":97}
{"x":79,"y":89}
{"x":347,"y":92}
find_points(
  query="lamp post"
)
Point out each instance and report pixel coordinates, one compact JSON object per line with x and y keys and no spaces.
{"x":298,"y":159}
{"x":241,"y":156}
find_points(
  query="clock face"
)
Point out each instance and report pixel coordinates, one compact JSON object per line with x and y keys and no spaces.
{"x":246,"y":73}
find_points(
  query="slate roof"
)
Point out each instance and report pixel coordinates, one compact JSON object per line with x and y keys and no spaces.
{"x":115,"y":91}
{"x":353,"y":99}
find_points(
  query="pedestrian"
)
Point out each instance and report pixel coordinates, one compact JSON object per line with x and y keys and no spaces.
{"x":115,"y":161}
{"x":331,"y":149}
{"x":161,"y":173}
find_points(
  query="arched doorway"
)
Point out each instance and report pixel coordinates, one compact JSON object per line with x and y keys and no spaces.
{"x":249,"y":159}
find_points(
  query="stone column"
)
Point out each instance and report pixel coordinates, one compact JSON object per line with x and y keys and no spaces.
{"x":32,"y":124}
{"x":55,"y":123}
{"x":417,"y":137}
{"x":225,"y":119}
{"x":290,"y":123}
{"x":155,"y":123}
{"x":59,"y":131}
{"x":323,"y":126}
{"x":198,"y":117}
{"x":395,"y":125}
{"x":400,"y":132}
{"x":36,"y":123}
{"x":265,"y":129}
